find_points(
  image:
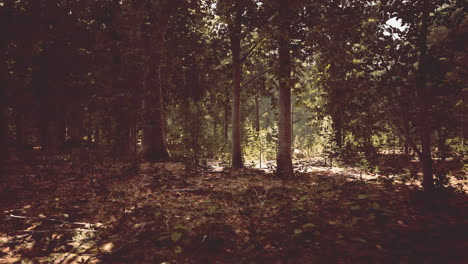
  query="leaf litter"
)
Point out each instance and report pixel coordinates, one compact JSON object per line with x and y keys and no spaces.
{"x":163,"y":213}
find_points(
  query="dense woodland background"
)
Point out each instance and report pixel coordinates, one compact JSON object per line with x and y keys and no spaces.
{"x":377,"y":86}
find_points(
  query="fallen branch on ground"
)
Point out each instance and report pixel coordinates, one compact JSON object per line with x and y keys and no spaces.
{"x":55,"y":230}
{"x":50,"y":220}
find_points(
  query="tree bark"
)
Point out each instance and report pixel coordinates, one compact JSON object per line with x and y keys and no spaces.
{"x":284,"y":154}
{"x":154,"y":145}
{"x":442,"y":138}
{"x":337,"y":124}
{"x":235,"y":32}
{"x":226,"y":120}
{"x":424,"y":105}
{"x":3,"y":124}
{"x":5,"y":12}
{"x":21,"y":139}
{"x":257,"y":112}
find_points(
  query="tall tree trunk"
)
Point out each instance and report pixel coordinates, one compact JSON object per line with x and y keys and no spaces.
{"x":284,"y":155}
{"x":50,"y":129}
{"x":5,"y":12}
{"x":226,"y":120}
{"x":235,"y":32}
{"x":442,"y":138}
{"x":154,"y":138}
{"x":257,"y":112}
{"x":76,"y":124}
{"x":21,"y":139}
{"x":337,"y":125}
{"x":424,"y":105}
{"x":3,"y":123}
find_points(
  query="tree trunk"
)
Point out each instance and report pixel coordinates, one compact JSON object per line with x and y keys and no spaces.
{"x":76,"y":124}
{"x":424,"y":106}
{"x":21,"y":139}
{"x":337,"y":124}
{"x":226,"y":120}
{"x":154,"y":138}
{"x":235,"y":32}
{"x":3,"y":124}
{"x":284,"y":155}
{"x":257,"y":113}
{"x":442,"y":138}
{"x":51,"y":133}
{"x":5,"y":12}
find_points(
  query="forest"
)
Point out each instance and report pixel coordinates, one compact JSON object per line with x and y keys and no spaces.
{"x":233,"y":131}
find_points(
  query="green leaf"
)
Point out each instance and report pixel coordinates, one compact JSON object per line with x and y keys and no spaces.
{"x":376,"y":206}
{"x":178,"y":250}
{"x":356,"y":207}
{"x":359,"y":239}
{"x":297,"y":231}
{"x":175,"y":236}
{"x":162,"y":238}
{"x":179,"y":226}
{"x":308,"y":225}
{"x":363,"y":196}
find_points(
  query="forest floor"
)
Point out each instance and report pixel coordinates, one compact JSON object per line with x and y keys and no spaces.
{"x":165,"y":213}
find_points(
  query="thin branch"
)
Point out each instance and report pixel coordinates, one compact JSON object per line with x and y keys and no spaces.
{"x":251,"y":50}
{"x":130,"y":240}
{"x":55,"y":230}
{"x":255,"y":77}
{"x":184,"y":190}
{"x":50,"y":220}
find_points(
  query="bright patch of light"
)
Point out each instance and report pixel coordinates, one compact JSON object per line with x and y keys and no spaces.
{"x":395,"y":22}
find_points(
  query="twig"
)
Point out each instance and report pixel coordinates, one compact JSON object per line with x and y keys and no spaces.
{"x":261,"y":198}
{"x":183,"y":190}
{"x":71,"y":252}
{"x":122,"y":246}
{"x":55,"y":230}
{"x":167,"y":221}
{"x":128,"y":241}
{"x":255,"y":77}
{"x":49,"y":219}
{"x":18,"y":238}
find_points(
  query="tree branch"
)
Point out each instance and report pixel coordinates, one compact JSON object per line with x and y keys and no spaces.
{"x":250,"y":50}
{"x":255,"y":77}
{"x":50,"y":220}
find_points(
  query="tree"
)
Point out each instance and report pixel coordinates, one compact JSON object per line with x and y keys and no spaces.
{"x":424,"y":101}
{"x":154,"y":139}
{"x":235,"y":30}
{"x":284,"y":154}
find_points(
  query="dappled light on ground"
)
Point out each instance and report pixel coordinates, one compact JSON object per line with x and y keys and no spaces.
{"x":165,"y":213}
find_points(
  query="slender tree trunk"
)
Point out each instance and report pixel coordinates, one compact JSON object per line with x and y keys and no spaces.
{"x":337,"y":124}
{"x":407,"y":148}
{"x":61,"y":128}
{"x":257,"y":126}
{"x":76,"y":124}
{"x":257,"y":113}
{"x":51,"y":128}
{"x":424,"y":106}
{"x":284,"y":155}
{"x":21,"y":139}
{"x":5,"y":13}
{"x":442,"y":138}
{"x":226,"y":120}
{"x":235,"y":32}
{"x":3,"y":124}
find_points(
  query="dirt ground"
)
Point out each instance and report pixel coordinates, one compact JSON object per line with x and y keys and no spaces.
{"x":56,"y":212}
